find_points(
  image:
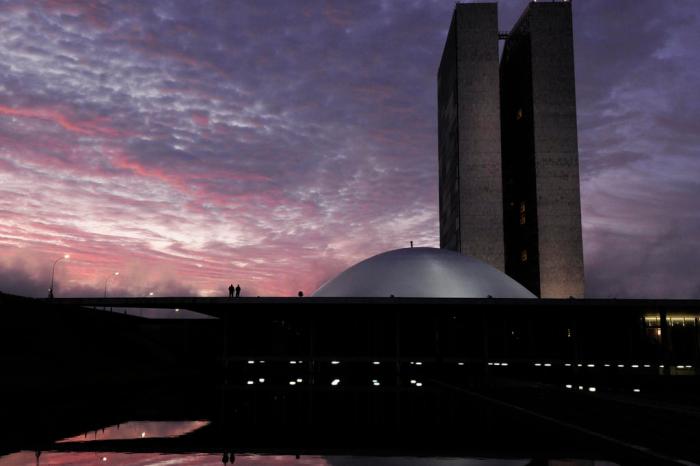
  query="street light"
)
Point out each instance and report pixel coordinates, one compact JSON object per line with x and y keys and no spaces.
{"x":53,"y":270}
{"x":107,"y":280}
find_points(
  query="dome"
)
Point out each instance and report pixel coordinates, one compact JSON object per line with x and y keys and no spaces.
{"x":423,"y":273}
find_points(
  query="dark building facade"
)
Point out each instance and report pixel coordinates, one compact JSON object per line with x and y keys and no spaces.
{"x":471,"y":217}
{"x":538,"y":221}
{"x":541,"y":198}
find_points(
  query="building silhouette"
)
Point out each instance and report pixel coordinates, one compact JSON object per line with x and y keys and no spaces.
{"x":509,"y":183}
{"x":469,"y":136}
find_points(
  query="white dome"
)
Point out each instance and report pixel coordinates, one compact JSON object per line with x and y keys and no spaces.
{"x":423,"y":273}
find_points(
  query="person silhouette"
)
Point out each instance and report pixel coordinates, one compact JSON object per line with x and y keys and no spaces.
{"x":238,"y":290}
{"x":230,"y":290}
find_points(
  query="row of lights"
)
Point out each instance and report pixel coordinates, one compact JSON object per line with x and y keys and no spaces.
{"x":590,"y":365}
{"x":593,"y":389}
{"x":335,"y":362}
{"x":503,"y":364}
{"x":334,"y":382}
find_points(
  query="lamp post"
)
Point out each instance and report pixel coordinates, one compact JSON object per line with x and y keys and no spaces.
{"x":115,"y":274}
{"x":53,"y":270}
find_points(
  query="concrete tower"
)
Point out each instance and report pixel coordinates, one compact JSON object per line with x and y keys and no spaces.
{"x":541,"y":199}
{"x":508,"y":148}
{"x":469,"y":136}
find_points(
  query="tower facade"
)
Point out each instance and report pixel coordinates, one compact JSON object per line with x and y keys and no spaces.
{"x":541,"y":197}
{"x":469,"y":136}
{"x":538,"y":220}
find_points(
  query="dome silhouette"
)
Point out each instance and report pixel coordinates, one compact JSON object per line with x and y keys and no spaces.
{"x":423,"y":273}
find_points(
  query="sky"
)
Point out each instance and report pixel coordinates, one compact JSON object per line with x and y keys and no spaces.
{"x":191,"y":144}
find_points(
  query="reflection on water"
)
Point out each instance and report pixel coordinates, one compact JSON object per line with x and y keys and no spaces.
{"x":140,"y":429}
{"x":27,"y":458}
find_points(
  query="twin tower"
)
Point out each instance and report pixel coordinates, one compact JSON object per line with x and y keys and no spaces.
{"x":508,"y":150}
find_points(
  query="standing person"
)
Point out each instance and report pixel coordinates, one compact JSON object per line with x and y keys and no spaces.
{"x":230,"y":290}
{"x":238,"y":290}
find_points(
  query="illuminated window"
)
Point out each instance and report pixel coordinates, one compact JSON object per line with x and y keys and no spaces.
{"x":523,"y":255}
{"x":519,"y":114}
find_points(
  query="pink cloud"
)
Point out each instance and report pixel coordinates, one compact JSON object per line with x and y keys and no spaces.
{"x":200,"y":118}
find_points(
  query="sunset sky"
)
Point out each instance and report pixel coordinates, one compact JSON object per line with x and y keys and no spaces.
{"x":192,"y":144}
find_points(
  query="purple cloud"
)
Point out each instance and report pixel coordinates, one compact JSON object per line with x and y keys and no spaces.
{"x":189,"y":145}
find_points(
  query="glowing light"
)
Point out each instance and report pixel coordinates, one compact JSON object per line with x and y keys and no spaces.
{"x":460,"y":363}
{"x":620,"y":365}
{"x":504,"y":364}
{"x":548,"y":364}
{"x":591,"y":389}
{"x":568,"y":385}
{"x":636,"y":390}
{"x":299,"y":380}
{"x":418,"y":363}
{"x":413,"y":381}
{"x":104,"y":458}
{"x":143,"y":434}
{"x":292,"y":382}
{"x":376,"y":363}
{"x":250,"y":382}
{"x":537,"y":364}
{"x":335,"y":382}
{"x":251,"y":362}
{"x":590,"y":365}
{"x":261,"y":380}
{"x":419,"y":384}
{"x":635,"y":366}
{"x":568,"y":364}
{"x":335,"y":363}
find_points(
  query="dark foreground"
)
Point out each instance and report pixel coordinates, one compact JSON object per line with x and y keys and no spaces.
{"x":339,"y":391}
